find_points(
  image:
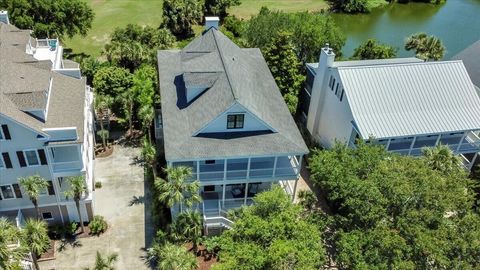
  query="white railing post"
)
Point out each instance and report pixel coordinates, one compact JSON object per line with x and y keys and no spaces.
{"x":274,"y":166}
{"x":461,"y":141}
{"x":225,"y":170}
{"x":412,"y":144}
{"x":223,"y":195}
{"x":198,"y":170}
{"x":246,"y":194}
{"x":248,"y":168}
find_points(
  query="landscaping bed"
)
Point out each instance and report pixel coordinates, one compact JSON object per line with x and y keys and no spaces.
{"x":204,"y":259}
{"x":50,"y":253}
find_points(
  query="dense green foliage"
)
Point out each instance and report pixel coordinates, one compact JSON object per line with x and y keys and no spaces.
{"x":286,"y":68}
{"x":399,"y":212}
{"x":180,"y":15}
{"x":134,"y":45}
{"x":310,"y":31}
{"x":273,"y":233}
{"x":10,"y":256}
{"x":173,"y":257}
{"x":350,"y":6}
{"x":104,"y":263}
{"x":50,"y":18}
{"x":219,"y":7}
{"x":423,"y":1}
{"x":426,"y":47}
{"x":35,"y":238}
{"x":178,"y":188}
{"x":112,"y":81}
{"x":372,"y":49}
{"x":187,"y":227}
{"x":98,"y":225}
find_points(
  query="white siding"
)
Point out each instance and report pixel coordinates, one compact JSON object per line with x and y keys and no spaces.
{"x":333,"y":118}
{"x":251,"y":122}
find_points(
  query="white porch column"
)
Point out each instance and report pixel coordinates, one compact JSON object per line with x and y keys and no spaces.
{"x":246,"y":194}
{"x":225,"y":170}
{"x":438,"y":139}
{"x":198,"y":170}
{"x":300,"y":165}
{"x":461,"y":140}
{"x":274,"y":166}
{"x":56,"y":187}
{"x":412,"y":144}
{"x":248,"y":168}
{"x":223,"y":195}
{"x":388,"y":144}
{"x":295,"y":189}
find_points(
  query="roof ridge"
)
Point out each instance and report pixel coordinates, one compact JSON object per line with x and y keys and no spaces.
{"x":227,"y":73}
{"x":444,"y":62}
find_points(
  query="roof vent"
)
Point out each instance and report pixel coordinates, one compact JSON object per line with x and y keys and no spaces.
{"x":211,"y":22}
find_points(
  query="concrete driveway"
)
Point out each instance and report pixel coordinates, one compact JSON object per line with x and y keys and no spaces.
{"x":124,"y":201}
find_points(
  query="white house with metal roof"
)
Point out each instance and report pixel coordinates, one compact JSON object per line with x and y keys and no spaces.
{"x":46,"y":126}
{"x":405,"y":104}
{"x":223,"y":116}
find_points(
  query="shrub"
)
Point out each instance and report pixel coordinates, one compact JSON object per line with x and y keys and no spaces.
{"x":98,"y":184}
{"x":98,"y":225}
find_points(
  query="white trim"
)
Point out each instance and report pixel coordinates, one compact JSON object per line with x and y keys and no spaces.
{"x":2,"y":136}
{"x":36,"y":154}
{"x":3,"y":166}
{"x":13,"y":190}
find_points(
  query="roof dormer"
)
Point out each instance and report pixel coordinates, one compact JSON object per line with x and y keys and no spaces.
{"x":198,"y":82}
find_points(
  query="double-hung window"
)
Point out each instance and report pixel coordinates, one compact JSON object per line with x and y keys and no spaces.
{"x":2,"y":163}
{"x":32,"y":157}
{"x":235,"y":121}
{"x":10,"y":192}
{"x":2,"y":137}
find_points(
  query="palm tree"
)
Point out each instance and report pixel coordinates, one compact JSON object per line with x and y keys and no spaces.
{"x":10,"y":255}
{"x":104,"y":263}
{"x":188,"y":226}
{"x":35,"y":237}
{"x":128,"y":102}
{"x":178,"y":188}
{"x":146,"y":114}
{"x":442,"y":158}
{"x":77,"y":188}
{"x":102,"y":105}
{"x":149,"y":154}
{"x":33,"y":186}
{"x":426,"y":47}
{"x":173,"y":257}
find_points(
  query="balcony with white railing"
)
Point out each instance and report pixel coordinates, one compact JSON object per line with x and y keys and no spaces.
{"x":66,"y":158}
{"x":43,"y":49}
{"x":241,"y":169}
{"x":459,"y":142}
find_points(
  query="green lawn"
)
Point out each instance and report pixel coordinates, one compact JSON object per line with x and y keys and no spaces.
{"x":251,"y":7}
{"x":110,"y":14}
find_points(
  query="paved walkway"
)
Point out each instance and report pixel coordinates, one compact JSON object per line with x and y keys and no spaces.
{"x":122,"y":201}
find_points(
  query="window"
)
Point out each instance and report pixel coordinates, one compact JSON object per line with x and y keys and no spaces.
{"x":5,"y":133}
{"x":209,"y":188}
{"x":47,"y":215}
{"x":7,"y":192}
{"x":235,"y":121}
{"x":333,"y":84}
{"x":1,"y":135}
{"x":330,"y":82}
{"x":31,"y":157}
{"x":341,"y":95}
{"x":211,"y":161}
{"x":2,"y":163}
{"x":336,"y":90}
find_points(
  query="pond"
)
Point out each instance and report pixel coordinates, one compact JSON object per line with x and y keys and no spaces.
{"x":456,"y":23}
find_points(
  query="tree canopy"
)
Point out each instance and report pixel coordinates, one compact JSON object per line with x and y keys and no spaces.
{"x":398,"y":212}
{"x":286,"y":68}
{"x":273,"y":233}
{"x":134,"y":45}
{"x":180,"y":15}
{"x":219,"y":7}
{"x":112,"y":81}
{"x":372,"y":49}
{"x":50,"y":18}
{"x":351,"y":6}
{"x":426,"y":47}
{"x":311,"y":32}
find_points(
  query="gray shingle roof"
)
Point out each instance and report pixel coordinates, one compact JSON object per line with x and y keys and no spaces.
{"x":471,"y":59}
{"x":411,"y":99}
{"x":242,"y":77}
{"x":25,"y":80}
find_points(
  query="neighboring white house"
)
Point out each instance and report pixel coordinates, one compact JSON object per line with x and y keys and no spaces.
{"x":223,"y":115}
{"x":46,"y":125}
{"x":404,"y":104}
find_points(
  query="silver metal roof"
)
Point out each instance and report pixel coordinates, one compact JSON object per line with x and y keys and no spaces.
{"x":411,"y":99}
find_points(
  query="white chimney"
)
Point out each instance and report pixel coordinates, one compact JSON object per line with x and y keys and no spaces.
{"x":211,"y":22}
{"x":4,"y":17}
{"x":325,"y":62}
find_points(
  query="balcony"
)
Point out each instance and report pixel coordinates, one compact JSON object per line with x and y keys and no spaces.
{"x":66,"y":158}
{"x":459,"y":142}
{"x":253,"y":169}
{"x":43,"y":49}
